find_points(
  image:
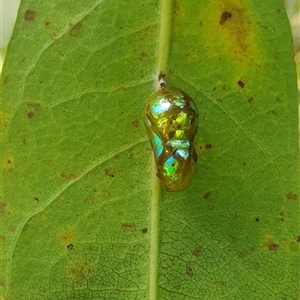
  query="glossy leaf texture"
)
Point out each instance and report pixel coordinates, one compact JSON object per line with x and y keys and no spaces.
{"x":76,"y":163}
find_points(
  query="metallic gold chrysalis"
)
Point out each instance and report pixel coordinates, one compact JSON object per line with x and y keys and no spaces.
{"x":171,"y":119}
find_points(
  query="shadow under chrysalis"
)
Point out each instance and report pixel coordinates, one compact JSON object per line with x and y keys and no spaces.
{"x":171,"y":120}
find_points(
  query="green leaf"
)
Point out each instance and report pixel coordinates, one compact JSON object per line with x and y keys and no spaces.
{"x":82,"y":215}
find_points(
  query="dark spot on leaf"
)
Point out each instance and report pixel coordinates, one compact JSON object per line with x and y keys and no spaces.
{"x":176,"y":10}
{"x":197,"y":251}
{"x":109,"y":172}
{"x":135,"y":123}
{"x":256,"y":265}
{"x":70,"y":247}
{"x":206,"y":195}
{"x":241,"y":254}
{"x":75,"y":30}
{"x":47,"y":23}
{"x":224,"y":87}
{"x":69,"y":177}
{"x":272,"y":112}
{"x":128,"y":226}
{"x":278,"y":99}
{"x":291,"y":196}
{"x":189,"y":270}
{"x":2,"y":238}
{"x":233,"y":239}
{"x":2,"y":206}
{"x":25,"y":228}
{"x":8,"y":161}
{"x":273,"y":247}
{"x":224,"y":17}
{"x":208,"y":146}
{"x":2,"y":282}
{"x":36,"y":106}
{"x":257,"y":219}
{"x":298,"y":238}
{"x":76,"y":272}
{"x":144,"y":230}
{"x":29,"y":15}
{"x":36,"y":199}
{"x":250,"y":100}
{"x":30,"y":114}
{"x":5,"y":80}
{"x":241,"y":84}
{"x":244,"y":164}
{"x":211,"y":207}
{"x":67,"y":236}
{"x":200,"y":24}
{"x":116,"y":156}
{"x":105,"y":193}
{"x":12,"y":228}
{"x":187,"y":55}
{"x":11,"y":170}
{"x":144,"y":57}
{"x":129,"y":155}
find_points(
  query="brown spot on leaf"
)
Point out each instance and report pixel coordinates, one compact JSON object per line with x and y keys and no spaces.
{"x":109,"y":172}
{"x":257,"y":219}
{"x":273,"y":247}
{"x":272,"y":112}
{"x":76,"y":272}
{"x":241,"y":254}
{"x":206,"y":195}
{"x":34,"y":105}
{"x":128,"y":226}
{"x":75,"y":30}
{"x":47,"y":23}
{"x":144,"y":56}
{"x":89,"y":198}
{"x":224,"y":17}
{"x":36,"y":199}
{"x":256,"y":265}
{"x":12,"y":228}
{"x":25,"y":228}
{"x":241,"y":84}
{"x":250,"y":100}
{"x":189,"y":269}
{"x":135,"y":123}
{"x":144,"y":230}
{"x":67,"y":237}
{"x":69,"y":177}
{"x":298,"y":238}
{"x":208,"y":146}
{"x":197,"y":251}
{"x":2,"y":238}
{"x":2,"y":206}
{"x":5,"y":80}
{"x":129,"y":155}
{"x":233,"y":239}
{"x":30,"y":114}
{"x":2,"y":282}
{"x":29,"y":15}
{"x":291,"y":196}
{"x":105,"y":193}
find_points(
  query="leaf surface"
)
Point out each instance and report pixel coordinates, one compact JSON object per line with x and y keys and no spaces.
{"x":77,"y":212}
